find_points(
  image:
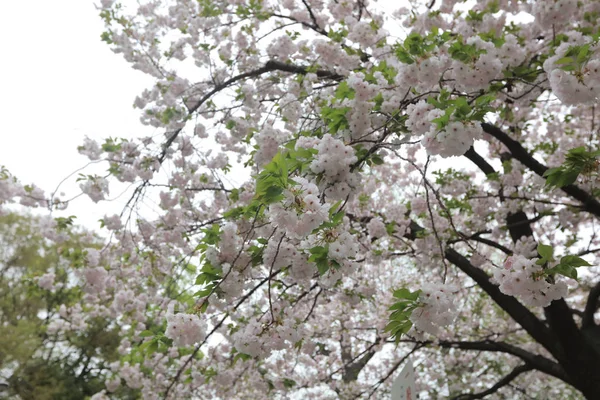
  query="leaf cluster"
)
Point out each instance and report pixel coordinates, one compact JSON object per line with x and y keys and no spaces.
{"x":400,"y":322}
{"x":577,"y":161}
{"x":567,"y":266}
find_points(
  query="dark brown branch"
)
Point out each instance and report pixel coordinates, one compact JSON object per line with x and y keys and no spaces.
{"x":577,"y":355}
{"x":483,"y":165}
{"x":591,"y":251}
{"x":270,"y":66}
{"x":536,"y":361}
{"x":491,"y":243}
{"x":500,"y":384}
{"x":518,"y":225}
{"x":477,"y":238}
{"x":352,"y":370}
{"x":313,"y":18}
{"x":591,"y":306}
{"x":518,"y":152}
{"x":314,"y":304}
{"x":534,"y":327}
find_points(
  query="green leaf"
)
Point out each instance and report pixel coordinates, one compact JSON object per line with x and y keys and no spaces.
{"x":546,"y":252}
{"x":289,"y":383}
{"x":574,"y":261}
{"x":322,"y":266}
{"x":404,"y":293}
{"x":403,"y":56}
{"x":377,"y":160}
{"x":241,"y":356}
{"x":564,"y":60}
{"x":319,"y":250}
{"x":400,"y":322}
{"x":203,"y":292}
{"x":565,"y":270}
{"x":273,"y":194}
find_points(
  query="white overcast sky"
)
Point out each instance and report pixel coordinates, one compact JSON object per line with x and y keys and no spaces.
{"x":60,"y":84}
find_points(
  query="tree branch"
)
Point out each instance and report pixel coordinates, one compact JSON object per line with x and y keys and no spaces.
{"x":534,"y":327}
{"x":477,"y":238}
{"x":518,"y":152}
{"x":518,"y":225}
{"x":483,"y":165}
{"x":313,"y":18}
{"x":536,"y":361}
{"x":578,"y":356}
{"x":390,"y":372}
{"x":591,"y":306}
{"x":269,"y":66}
{"x":352,"y":370}
{"x":500,"y":384}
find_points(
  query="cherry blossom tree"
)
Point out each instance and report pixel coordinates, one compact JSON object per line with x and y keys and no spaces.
{"x":336,"y":186}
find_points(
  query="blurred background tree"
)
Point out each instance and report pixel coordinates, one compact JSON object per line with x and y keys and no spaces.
{"x":34,"y":363}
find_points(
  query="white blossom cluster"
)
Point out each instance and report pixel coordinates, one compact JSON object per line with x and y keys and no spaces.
{"x":185,"y":329}
{"x":301,"y":211}
{"x":282,"y":253}
{"x":376,"y":228}
{"x":344,"y":247}
{"x":333,"y":161}
{"x":96,"y":188}
{"x":419,"y":118}
{"x":581,"y":85}
{"x":437,"y":308}
{"x":46,"y":281}
{"x":282,"y":47}
{"x":96,"y":279}
{"x":454,"y":140}
{"x":554,"y":13}
{"x":230,"y":243}
{"x":258,"y":341}
{"x":363,"y":90}
{"x":523,"y":278}
{"x":334,"y":158}
{"x":268,"y":141}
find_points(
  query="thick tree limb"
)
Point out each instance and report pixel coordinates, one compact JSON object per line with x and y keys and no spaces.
{"x":500,"y":384}
{"x":491,"y":243}
{"x":578,"y":356}
{"x":590,"y":307}
{"x":532,"y":325}
{"x":536,"y":361}
{"x":576,"y":352}
{"x":518,"y":152}
{"x":483,"y":165}
{"x":518,"y":225}
{"x":352,"y":370}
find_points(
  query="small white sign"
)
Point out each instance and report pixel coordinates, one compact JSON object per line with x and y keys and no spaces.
{"x":405,"y":387}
